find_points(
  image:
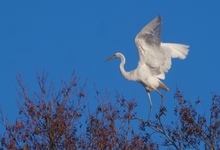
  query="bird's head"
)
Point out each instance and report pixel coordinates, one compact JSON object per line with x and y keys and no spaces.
{"x":116,"y":55}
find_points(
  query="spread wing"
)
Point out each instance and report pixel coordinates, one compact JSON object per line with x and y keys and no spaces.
{"x":151,"y":33}
{"x":154,"y":54}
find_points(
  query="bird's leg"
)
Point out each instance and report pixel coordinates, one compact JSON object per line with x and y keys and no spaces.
{"x":162,"y":97}
{"x":148,"y":93}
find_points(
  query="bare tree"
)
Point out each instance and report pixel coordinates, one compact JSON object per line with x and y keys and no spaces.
{"x":48,"y":119}
{"x":60,"y":118}
{"x":190,"y":129}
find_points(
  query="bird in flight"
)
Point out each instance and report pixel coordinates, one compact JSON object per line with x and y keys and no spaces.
{"x":154,"y":59}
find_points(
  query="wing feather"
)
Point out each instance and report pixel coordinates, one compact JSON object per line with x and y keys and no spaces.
{"x":154,"y":54}
{"x":172,"y":50}
{"x":151,"y":33}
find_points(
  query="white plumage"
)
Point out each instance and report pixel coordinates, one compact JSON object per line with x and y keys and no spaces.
{"x":154,"y":58}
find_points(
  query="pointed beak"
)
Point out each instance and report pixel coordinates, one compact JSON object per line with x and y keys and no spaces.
{"x":110,"y":58}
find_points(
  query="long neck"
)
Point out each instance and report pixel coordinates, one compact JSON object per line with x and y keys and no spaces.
{"x":122,"y":69}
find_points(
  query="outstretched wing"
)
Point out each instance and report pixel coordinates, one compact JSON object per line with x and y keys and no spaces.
{"x":151,"y":33}
{"x":148,"y":45}
{"x":156,"y":55}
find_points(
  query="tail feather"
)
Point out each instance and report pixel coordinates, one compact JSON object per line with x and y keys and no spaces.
{"x":163,"y":86}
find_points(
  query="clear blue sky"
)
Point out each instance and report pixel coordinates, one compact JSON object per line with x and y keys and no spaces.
{"x":62,"y":36}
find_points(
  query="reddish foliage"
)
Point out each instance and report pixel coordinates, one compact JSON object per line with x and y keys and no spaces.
{"x":53,"y":119}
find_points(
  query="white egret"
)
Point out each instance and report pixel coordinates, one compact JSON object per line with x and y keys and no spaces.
{"x":154,"y":58}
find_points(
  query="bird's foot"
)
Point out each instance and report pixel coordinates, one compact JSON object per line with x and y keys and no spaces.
{"x":162,"y":111}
